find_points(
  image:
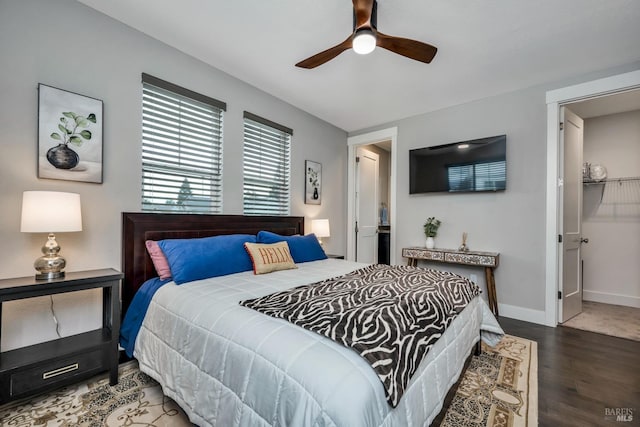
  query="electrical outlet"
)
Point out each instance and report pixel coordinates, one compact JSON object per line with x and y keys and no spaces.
{"x":473,"y":278}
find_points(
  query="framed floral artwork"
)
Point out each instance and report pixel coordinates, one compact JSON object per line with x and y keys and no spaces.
{"x":70,"y":130}
{"x":313,"y":182}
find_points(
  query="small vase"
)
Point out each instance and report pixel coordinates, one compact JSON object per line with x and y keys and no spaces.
{"x":63,"y":157}
{"x":315,"y":193}
{"x":431,"y":243}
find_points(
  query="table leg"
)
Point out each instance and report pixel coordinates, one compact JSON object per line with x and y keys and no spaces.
{"x":495,"y":293}
{"x":111,"y":320}
{"x":491,"y":290}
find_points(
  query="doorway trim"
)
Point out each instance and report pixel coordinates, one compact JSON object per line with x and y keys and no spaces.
{"x":555,"y":99}
{"x":367,"y":139}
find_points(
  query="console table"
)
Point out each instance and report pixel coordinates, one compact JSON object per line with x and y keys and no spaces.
{"x":488,"y":260}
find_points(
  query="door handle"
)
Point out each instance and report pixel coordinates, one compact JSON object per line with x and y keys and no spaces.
{"x":584,"y":240}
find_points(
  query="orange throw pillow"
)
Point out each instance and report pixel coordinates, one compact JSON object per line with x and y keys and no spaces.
{"x":267,"y":258}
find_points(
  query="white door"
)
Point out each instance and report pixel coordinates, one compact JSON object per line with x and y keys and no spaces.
{"x":571,"y":143}
{"x":366,"y":206}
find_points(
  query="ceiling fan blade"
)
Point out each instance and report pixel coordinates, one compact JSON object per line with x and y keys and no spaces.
{"x":413,"y":49}
{"x":326,"y":55}
{"x":363,"y":9}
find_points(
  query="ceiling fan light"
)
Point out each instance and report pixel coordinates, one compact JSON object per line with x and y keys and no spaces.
{"x":364,"y":41}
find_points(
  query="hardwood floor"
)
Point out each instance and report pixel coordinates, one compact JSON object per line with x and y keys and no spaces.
{"x":581,"y":376}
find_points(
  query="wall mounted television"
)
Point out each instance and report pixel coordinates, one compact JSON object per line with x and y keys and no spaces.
{"x":465,"y":166}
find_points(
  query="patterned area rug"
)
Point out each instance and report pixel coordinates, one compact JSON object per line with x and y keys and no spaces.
{"x":499,"y":387}
{"x":136,"y":400}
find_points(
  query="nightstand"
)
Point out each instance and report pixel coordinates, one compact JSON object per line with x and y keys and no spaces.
{"x":52,"y":364}
{"x":335,"y":256}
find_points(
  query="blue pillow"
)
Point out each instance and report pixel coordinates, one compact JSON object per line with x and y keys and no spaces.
{"x":195,"y":259}
{"x":302,"y":248}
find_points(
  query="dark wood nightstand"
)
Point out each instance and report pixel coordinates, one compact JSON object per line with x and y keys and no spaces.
{"x":335,"y":256}
{"x":52,"y":364}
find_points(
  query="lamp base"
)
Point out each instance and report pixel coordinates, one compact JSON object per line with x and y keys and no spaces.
{"x":50,"y":275}
{"x":50,"y":265}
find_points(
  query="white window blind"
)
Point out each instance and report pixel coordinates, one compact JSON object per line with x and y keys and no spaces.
{"x":267,"y":152}
{"x":181,"y":149}
{"x":477,"y":177}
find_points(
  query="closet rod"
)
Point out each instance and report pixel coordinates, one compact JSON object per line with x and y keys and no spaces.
{"x":629,"y":178}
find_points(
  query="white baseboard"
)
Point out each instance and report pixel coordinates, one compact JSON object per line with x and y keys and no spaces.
{"x":521,"y":313}
{"x":608,"y":298}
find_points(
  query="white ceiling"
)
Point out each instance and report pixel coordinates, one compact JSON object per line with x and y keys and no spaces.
{"x":484,"y":48}
{"x":605,"y":105}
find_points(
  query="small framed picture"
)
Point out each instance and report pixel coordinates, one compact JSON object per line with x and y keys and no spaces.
{"x":70,"y":130}
{"x":313,"y":182}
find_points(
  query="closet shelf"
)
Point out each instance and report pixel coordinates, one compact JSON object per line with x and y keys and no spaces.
{"x":629,"y":193}
{"x":604,"y":181}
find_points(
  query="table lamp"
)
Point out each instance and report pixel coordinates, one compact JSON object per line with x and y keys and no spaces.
{"x":50,"y":212}
{"x":320,"y":227}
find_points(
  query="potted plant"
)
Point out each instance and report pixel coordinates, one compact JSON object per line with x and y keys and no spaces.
{"x":431,"y":230}
{"x":71,"y":131}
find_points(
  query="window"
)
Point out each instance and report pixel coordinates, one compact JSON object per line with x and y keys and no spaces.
{"x":181,"y":149}
{"x":477,"y":177}
{"x":267,"y":152}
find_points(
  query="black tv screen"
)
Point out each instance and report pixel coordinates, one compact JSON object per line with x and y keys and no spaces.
{"x":465,"y":166}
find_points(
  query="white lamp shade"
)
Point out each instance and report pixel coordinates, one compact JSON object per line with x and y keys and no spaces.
{"x":50,"y":212}
{"x":320,"y":227}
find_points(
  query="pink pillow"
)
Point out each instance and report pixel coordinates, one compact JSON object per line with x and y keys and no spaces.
{"x":159,"y":260}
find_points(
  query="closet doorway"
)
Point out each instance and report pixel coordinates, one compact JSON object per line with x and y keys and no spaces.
{"x":555,"y":99}
{"x":610,"y":215}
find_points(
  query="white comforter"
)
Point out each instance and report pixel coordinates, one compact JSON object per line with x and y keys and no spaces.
{"x":227,"y":365}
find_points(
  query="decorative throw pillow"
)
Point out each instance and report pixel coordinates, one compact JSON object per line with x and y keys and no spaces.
{"x":267,"y":258}
{"x":195,"y":259}
{"x":303,"y":248}
{"x":159,"y":260}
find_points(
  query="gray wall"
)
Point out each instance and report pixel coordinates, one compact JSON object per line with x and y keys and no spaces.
{"x":510,"y":222}
{"x":611,"y":211}
{"x":68,"y":45}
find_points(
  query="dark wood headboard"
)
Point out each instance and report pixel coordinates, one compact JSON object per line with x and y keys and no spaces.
{"x":138,"y":227}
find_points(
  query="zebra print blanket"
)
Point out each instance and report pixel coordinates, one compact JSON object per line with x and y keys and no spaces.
{"x":390,"y":315}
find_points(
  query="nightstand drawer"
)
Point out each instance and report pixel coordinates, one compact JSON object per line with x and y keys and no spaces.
{"x":52,"y":373}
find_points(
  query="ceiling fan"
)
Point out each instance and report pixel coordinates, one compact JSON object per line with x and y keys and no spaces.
{"x":366,"y":37}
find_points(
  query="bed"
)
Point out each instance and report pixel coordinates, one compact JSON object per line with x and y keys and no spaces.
{"x":227,"y":365}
